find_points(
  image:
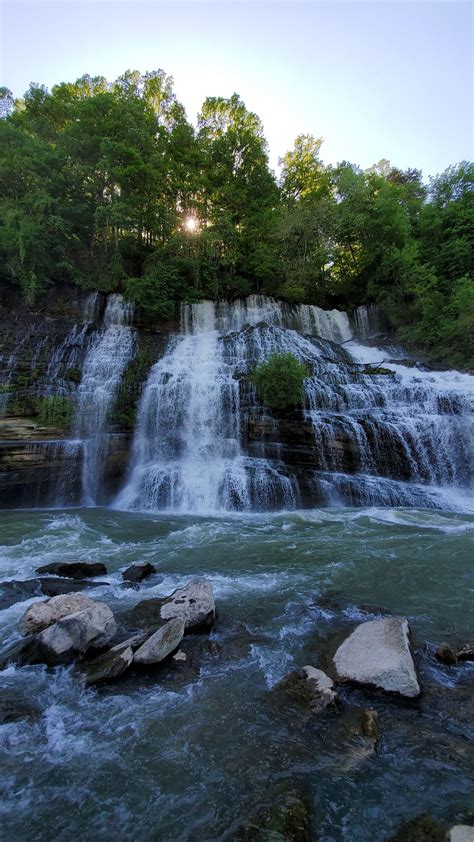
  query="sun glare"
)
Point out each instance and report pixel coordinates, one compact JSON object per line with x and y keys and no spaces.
{"x":191,"y":224}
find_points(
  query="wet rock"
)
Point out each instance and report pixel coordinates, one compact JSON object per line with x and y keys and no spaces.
{"x":42,"y":614}
{"x":446,"y":655}
{"x":17,"y":591}
{"x":57,"y":586}
{"x":285,"y":820}
{"x":194,"y":604}
{"x":460,"y":833}
{"x":74,"y":569}
{"x":107,"y":666}
{"x":310,"y":687}
{"x":13,"y":708}
{"x":421,"y":829}
{"x":138,"y":572}
{"x":76,"y":633}
{"x":162,"y":643}
{"x":370,"y":724}
{"x":377,"y":654}
{"x":466,"y":653}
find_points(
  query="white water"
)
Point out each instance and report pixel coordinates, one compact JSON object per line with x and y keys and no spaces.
{"x":401,"y":440}
{"x":110,"y":349}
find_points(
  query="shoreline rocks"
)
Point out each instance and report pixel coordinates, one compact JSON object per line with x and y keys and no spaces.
{"x":377,"y":654}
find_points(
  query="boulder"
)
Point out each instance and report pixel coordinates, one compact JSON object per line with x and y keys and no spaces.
{"x":42,"y":614}
{"x":194,"y":604}
{"x":377,"y":654}
{"x":162,"y":643}
{"x":310,"y":687}
{"x":138,"y":572}
{"x":107,"y":666}
{"x":75,"y":633}
{"x":460,"y":833}
{"x":74,"y":569}
{"x":446,"y":655}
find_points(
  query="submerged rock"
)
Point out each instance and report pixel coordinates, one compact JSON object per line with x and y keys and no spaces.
{"x":107,"y":666}
{"x":310,"y":687}
{"x":74,"y":569}
{"x":161,"y":644}
{"x":75,"y":633}
{"x":377,"y":654}
{"x":42,"y":614}
{"x":138,"y":572}
{"x":446,"y":655}
{"x":13,"y":708}
{"x":287,"y":820}
{"x":421,"y":829}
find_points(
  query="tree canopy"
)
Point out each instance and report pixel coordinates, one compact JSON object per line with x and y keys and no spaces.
{"x":107,"y":185}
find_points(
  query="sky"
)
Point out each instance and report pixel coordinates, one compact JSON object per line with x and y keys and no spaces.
{"x":374,"y":79}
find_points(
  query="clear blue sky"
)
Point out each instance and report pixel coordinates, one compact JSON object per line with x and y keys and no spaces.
{"x":375,"y":80}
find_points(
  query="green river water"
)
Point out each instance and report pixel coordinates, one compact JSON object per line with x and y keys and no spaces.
{"x":167,"y":758}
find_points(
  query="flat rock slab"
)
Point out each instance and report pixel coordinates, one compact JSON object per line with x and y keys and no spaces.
{"x":161,"y":644}
{"x":107,"y":666}
{"x":74,"y":569}
{"x":43,"y":614}
{"x":194,"y":604}
{"x":138,"y":572}
{"x":377,"y":654}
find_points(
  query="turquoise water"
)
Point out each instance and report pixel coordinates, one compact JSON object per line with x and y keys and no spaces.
{"x":163,"y":758}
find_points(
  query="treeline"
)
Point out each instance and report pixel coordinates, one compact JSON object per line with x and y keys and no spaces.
{"x":109,"y":186}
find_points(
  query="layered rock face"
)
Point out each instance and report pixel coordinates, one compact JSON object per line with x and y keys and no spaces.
{"x":96,"y":408}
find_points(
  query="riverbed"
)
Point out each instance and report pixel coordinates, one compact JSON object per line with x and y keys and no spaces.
{"x":155,"y":758}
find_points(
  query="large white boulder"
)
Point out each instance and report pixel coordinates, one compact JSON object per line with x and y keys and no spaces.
{"x":194,"y":604}
{"x":75,"y":633}
{"x":40,"y":615}
{"x":378,"y":654}
{"x":461,"y":833}
{"x":162,"y":643}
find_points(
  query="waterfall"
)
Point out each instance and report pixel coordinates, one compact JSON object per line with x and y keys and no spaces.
{"x":204,"y":443}
{"x":109,"y":350}
{"x":369,"y":321}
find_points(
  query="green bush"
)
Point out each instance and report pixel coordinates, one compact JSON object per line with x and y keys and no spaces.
{"x":54,"y":411}
{"x":280,"y":381}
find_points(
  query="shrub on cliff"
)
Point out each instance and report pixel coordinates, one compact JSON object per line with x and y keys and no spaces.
{"x":280,"y":380}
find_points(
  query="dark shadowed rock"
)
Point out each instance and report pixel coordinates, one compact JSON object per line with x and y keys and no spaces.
{"x":138,"y":572}
{"x":18,"y":591}
{"x":446,"y":655}
{"x":466,"y":653}
{"x":74,"y":569}
{"x":421,"y":829}
{"x":107,"y":666}
{"x":310,"y":687}
{"x":161,"y":644}
{"x":287,"y":819}
{"x":377,"y":654}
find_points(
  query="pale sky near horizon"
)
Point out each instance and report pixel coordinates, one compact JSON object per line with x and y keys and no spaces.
{"x":374,"y":79}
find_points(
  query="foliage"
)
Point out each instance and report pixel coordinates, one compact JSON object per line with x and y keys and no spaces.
{"x":99,"y":180}
{"x":54,"y":411}
{"x":279,"y":381}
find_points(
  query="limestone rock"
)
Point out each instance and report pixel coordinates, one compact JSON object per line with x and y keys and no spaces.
{"x":446,"y":655}
{"x":108,"y":665}
{"x":311,"y":687}
{"x":377,"y":654}
{"x":460,"y":833}
{"x":162,"y":643}
{"x":194,"y":604}
{"x":75,"y":633}
{"x":42,"y":614}
{"x":74,"y":569}
{"x":138,"y":572}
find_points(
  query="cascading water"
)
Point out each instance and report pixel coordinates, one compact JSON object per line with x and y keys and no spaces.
{"x":110,"y":349}
{"x":377,"y":439}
